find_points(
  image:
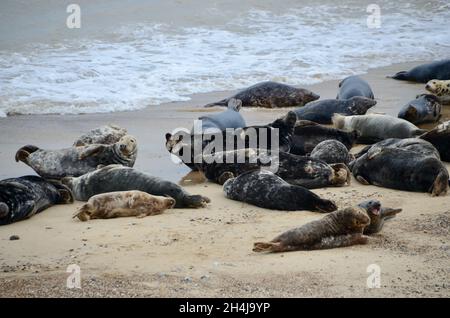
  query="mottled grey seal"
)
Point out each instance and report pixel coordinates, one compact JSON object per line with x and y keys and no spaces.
{"x":271,"y":95}
{"x":331,"y":151}
{"x":354,"y":86}
{"x":440,"y":138}
{"x":230,"y":118}
{"x":424,"y":109}
{"x":322,"y":111}
{"x":426,"y":72}
{"x":106,"y":135}
{"x":76,"y":161}
{"x":122,"y":204}
{"x":403,"y":170}
{"x":337,"y":229}
{"x":21,"y":198}
{"x":375,"y":127}
{"x":119,"y":178}
{"x":266,"y":190}
{"x":441,"y":89}
{"x":377,"y":214}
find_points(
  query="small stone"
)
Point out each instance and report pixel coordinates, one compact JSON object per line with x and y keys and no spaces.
{"x":187,"y":279}
{"x":14,"y":238}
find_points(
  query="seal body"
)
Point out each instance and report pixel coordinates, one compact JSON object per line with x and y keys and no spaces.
{"x":441,"y":89}
{"x":378,"y":215}
{"x":337,"y":229}
{"x":271,"y":95}
{"x":424,"y":109}
{"x":76,"y":161}
{"x":230,"y":118}
{"x":426,"y":72}
{"x":266,"y":190}
{"x":122,"y":204}
{"x":106,"y":135}
{"x":119,"y":178}
{"x":322,"y":111}
{"x":21,"y":198}
{"x":308,"y":134}
{"x":403,"y":170}
{"x":374,"y":127}
{"x":354,"y":86}
{"x":440,"y":138}
{"x":331,"y":151}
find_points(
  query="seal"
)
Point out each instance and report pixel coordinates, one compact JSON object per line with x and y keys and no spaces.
{"x":119,"y":178}
{"x":308,"y":134}
{"x":322,"y":111}
{"x":266,"y":190}
{"x":122,"y":204}
{"x":352,"y":86}
{"x":76,"y":161}
{"x":105,"y":135}
{"x":296,"y":170}
{"x":403,"y":170}
{"x":337,"y":229}
{"x":271,"y":95}
{"x":441,"y":89}
{"x":424,"y":109}
{"x":230,"y":118}
{"x":375,"y":127}
{"x":426,"y":72}
{"x":332,"y":151}
{"x":440,"y":138}
{"x":21,"y":198}
{"x":378,"y":215}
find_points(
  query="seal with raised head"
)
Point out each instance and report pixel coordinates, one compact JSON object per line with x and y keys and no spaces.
{"x":122,"y":204}
{"x":337,"y":229}
{"x":230,"y":118}
{"x":266,"y":190}
{"x":354,"y":86}
{"x":331,"y":151}
{"x":76,"y":161}
{"x":106,"y":135}
{"x":21,"y":198}
{"x":377,"y":214}
{"x":426,"y":72}
{"x":308,"y":134}
{"x":271,"y":95}
{"x":401,"y":169}
{"x":322,"y":111}
{"x":424,"y":109}
{"x":376,"y":127}
{"x":440,"y":138}
{"x":114,"y":178}
{"x":441,"y":89}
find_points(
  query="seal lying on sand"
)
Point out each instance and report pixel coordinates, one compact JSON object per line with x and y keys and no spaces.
{"x":426,"y":72}
{"x":440,"y":138}
{"x":296,"y":170}
{"x":271,"y":95}
{"x":354,"y":86}
{"x":441,"y":89}
{"x":76,"y":161}
{"x":375,"y":127}
{"x":322,"y":111}
{"x":331,"y":151}
{"x":403,"y":170}
{"x":21,"y":198}
{"x":424,"y":109}
{"x":230,"y":118}
{"x":119,"y":178}
{"x":105,"y":135}
{"x":378,"y":215}
{"x":308,"y":134}
{"x":121,"y":204}
{"x":266,"y":190}
{"x":337,"y":229}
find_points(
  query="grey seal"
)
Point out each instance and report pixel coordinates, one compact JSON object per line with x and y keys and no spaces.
{"x":378,"y":215}
{"x":354,"y":86}
{"x":230,"y":118}
{"x":331,"y":151}
{"x":426,"y":72}
{"x":440,"y":138}
{"x":426,"y":108}
{"x":106,"y":135}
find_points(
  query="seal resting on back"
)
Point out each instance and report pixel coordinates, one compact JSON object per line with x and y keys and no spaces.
{"x":377,"y":214}
{"x":337,"y":229}
{"x":271,"y":95}
{"x":403,"y":170}
{"x":354,"y":86}
{"x":308,"y":134}
{"x":21,"y":198}
{"x":331,"y":151}
{"x":440,"y":89}
{"x":106,"y":135}
{"x":440,"y":138}
{"x":122,"y":204}
{"x":230,"y":118}
{"x":119,"y":178}
{"x":322,"y":111}
{"x":426,"y":72}
{"x":76,"y":161}
{"x":424,"y":109}
{"x":266,"y":190}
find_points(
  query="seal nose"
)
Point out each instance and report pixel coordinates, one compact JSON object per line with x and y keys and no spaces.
{"x":427,"y":86}
{"x":122,"y":147}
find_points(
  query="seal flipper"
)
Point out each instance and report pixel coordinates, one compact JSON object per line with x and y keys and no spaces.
{"x":4,"y":210}
{"x":23,"y":153}
{"x":342,"y":174}
{"x":193,"y":201}
{"x":440,"y":185}
{"x":272,"y":247}
{"x":389,"y":213}
{"x":223,"y":102}
{"x":92,"y":150}
{"x":340,"y":241}
{"x":66,"y":195}
{"x":362,"y":180}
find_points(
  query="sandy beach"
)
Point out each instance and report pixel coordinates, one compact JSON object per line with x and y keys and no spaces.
{"x":207,"y":252}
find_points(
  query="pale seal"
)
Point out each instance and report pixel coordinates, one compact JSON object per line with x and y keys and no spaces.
{"x":426,"y":108}
{"x":354,"y":86}
{"x":441,"y":89}
{"x":106,"y":135}
{"x":426,"y":72}
{"x":230,"y":118}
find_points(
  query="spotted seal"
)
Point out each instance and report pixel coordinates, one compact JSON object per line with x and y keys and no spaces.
{"x":426,"y":72}
{"x":440,"y":138}
{"x":426,"y":108}
{"x":354,"y":86}
{"x":105,"y":135}
{"x":441,"y":89}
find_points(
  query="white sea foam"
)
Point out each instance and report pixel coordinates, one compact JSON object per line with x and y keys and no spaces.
{"x":150,"y":64}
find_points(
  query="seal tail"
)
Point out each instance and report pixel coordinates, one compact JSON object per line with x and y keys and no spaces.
{"x":23,"y":153}
{"x":223,"y":102}
{"x":83,"y":213}
{"x":338,"y":121}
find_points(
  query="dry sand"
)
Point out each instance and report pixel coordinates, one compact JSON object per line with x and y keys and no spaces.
{"x":207,"y":252}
